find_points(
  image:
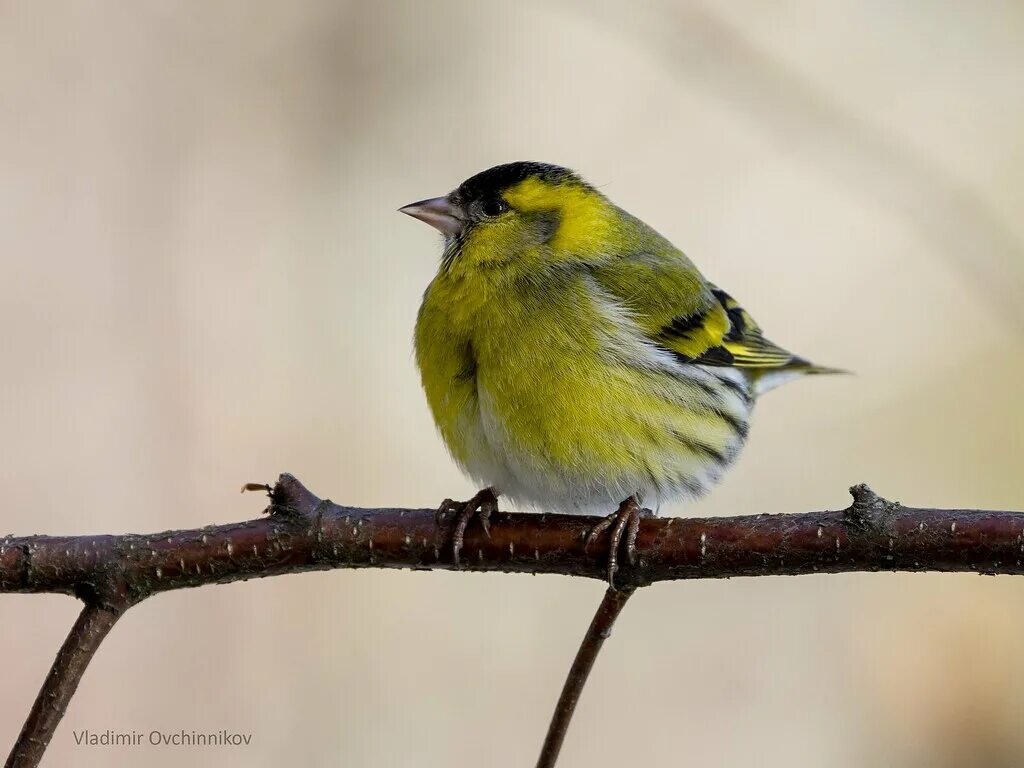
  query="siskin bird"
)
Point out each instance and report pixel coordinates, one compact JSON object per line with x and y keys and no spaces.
{"x":575,"y":360}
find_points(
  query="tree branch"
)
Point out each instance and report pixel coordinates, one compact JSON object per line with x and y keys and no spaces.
{"x":74,"y":656}
{"x":303,"y":533}
{"x":600,"y":629}
{"x":110,"y":573}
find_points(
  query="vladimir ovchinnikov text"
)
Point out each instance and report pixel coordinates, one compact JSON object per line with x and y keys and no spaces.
{"x":158,"y":738}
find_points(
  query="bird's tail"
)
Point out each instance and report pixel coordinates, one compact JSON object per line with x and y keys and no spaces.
{"x":795,"y":369}
{"x":814,"y":370}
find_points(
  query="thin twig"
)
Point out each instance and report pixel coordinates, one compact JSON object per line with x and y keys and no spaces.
{"x":600,"y":629}
{"x":88,"y":631}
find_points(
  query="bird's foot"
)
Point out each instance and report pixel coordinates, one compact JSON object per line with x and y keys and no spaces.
{"x":625,"y":523}
{"x":482,"y":505}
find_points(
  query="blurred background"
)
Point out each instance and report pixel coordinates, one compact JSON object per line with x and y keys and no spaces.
{"x":205,"y":282}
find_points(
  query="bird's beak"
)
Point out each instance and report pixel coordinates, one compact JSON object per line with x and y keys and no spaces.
{"x":438,"y":212}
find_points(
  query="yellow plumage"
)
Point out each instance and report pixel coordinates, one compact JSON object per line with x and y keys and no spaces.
{"x":572,"y":357}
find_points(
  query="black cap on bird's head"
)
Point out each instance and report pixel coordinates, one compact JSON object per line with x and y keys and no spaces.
{"x":496,"y":180}
{"x":480,"y":196}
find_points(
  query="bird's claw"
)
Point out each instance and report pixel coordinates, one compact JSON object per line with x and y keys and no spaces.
{"x":625,"y":525}
{"x":482,"y":505}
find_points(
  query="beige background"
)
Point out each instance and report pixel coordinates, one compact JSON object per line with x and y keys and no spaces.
{"x":205,"y":282}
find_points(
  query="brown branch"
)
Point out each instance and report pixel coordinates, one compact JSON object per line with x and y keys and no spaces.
{"x":302,"y":533}
{"x":600,"y":629}
{"x":74,"y":656}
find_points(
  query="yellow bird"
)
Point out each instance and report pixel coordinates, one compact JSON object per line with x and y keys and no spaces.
{"x":575,"y":360}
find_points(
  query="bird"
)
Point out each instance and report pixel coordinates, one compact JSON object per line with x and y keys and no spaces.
{"x":575,"y":361}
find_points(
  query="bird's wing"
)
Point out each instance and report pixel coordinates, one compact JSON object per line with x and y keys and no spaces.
{"x":698,"y":322}
{"x":724,"y":335}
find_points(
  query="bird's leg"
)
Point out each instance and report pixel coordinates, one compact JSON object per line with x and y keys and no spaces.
{"x":625,"y":521}
{"x":481,"y":505}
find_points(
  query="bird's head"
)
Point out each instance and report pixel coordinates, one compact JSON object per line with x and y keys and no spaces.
{"x":518,"y":217}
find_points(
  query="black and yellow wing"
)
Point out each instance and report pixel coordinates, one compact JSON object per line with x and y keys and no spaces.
{"x":696,"y":321}
{"x":724,"y":334}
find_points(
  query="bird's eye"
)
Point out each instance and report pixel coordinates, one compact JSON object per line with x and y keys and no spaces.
{"x":493,"y":206}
